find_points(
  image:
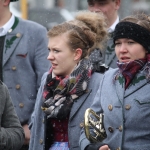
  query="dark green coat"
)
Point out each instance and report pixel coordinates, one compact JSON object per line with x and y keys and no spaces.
{"x":11,"y":132}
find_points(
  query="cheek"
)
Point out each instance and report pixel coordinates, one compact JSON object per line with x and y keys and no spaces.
{"x":116,"y":51}
{"x":138,"y":54}
{"x":63,"y":62}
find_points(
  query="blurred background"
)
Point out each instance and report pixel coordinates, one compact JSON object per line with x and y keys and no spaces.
{"x":52,"y":12}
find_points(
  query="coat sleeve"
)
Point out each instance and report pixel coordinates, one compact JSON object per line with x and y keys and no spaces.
{"x":96,"y":106}
{"x":39,"y":95}
{"x":11,"y":132}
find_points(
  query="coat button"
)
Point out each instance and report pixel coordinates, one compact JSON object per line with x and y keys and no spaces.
{"x":17,"y":86}
{"x":127,"y":107}
{"x":41,"y":141}
{"x":81,"y":124}
{"x":21,"y":105}
{"x":14,"y":68}
{"x":111,"y":130}
{"x":18,"y":35}
{"x":110,"y":107}
{"x":118,"y":148}
{"x":120,"y":128}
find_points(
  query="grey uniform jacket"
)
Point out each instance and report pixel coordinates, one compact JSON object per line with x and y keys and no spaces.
{"x":24,"y":62}
{"x":11,"y":132}
{"x":109,"y":53}
{"x":126,"y":112}
{"x":76,"y":118}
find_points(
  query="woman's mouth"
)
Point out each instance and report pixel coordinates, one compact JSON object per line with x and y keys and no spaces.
{"x":54,"y":65}
{"x":124,"y":59}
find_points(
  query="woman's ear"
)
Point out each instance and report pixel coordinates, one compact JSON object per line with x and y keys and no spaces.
{"x":78,"y":54}
{"x":6,"y":2}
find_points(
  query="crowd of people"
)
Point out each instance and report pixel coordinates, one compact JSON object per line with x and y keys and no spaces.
{"x":48,"y":79}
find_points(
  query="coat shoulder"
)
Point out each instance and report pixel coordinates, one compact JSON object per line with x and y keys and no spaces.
{"x":31,"y":25}
{"x":97,"y":75}
{"x":111,"y":72}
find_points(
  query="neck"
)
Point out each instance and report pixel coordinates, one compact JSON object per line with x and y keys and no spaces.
{"x":112,"y":21}
{"x":4,"y":17}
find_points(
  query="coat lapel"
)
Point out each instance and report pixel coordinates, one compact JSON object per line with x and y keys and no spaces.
{"x":138,"y":82}
{"x":11,"y":41}
{"x":77,"y":104}
{"x":119,"y":84}
{"x":110,"y":51}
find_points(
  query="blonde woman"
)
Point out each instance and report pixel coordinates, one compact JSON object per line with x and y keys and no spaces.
{"x":69,"y":87}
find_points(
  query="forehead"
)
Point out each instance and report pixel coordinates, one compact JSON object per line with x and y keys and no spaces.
{"x":61,"y":39}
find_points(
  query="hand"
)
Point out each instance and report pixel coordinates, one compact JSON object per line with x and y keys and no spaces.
{"x":27,"y":134}
{"x":105,"y":147}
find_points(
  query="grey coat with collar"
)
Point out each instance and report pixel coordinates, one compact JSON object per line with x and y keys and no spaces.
{"x":24,"y":62}
{"x":126,"y":112}
{"x":11,"y":132}
{"x":76,"y":118}
{"x":109,"y":53}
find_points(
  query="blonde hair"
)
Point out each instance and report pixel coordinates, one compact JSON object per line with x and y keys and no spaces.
{"x":87,"y":31}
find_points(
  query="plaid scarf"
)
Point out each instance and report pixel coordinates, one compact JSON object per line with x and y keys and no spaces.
{"x":146,"y":68}
{"x":130,"y":69}
{"x":60,"y":92}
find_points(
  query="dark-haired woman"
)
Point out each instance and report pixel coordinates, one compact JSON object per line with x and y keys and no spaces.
{"x":124,"y":94}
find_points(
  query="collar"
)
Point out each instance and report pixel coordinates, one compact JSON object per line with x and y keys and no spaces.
{"x":6,"y":27}
{"x":112,"y":27}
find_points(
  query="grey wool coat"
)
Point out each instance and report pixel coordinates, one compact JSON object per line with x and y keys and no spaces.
{"x":76,"y":118}
{"x":24,"y":62}
{"x":126,"y":112}
{"x":109,"y":53}
{"x":11,"y":132}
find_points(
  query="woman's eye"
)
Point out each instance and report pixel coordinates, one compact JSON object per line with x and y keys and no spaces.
{"x":130,"y":42}
{"x":56,"y":51}
{"x":117,"y":43}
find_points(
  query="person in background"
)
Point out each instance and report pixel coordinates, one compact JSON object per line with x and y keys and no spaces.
{"x":11,"y":132}
{"x":23,"y":52}
{"x":110,"y":10}
{"x":70,"y":85}
{"x":126,"y":104}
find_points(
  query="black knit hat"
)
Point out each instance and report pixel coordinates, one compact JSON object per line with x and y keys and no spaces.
{"x":13,"y":0}
{"x":133,"y":31}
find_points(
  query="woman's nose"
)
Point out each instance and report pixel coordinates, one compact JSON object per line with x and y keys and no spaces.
{"x":50,"y":56}
{"x":123,"y":48}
